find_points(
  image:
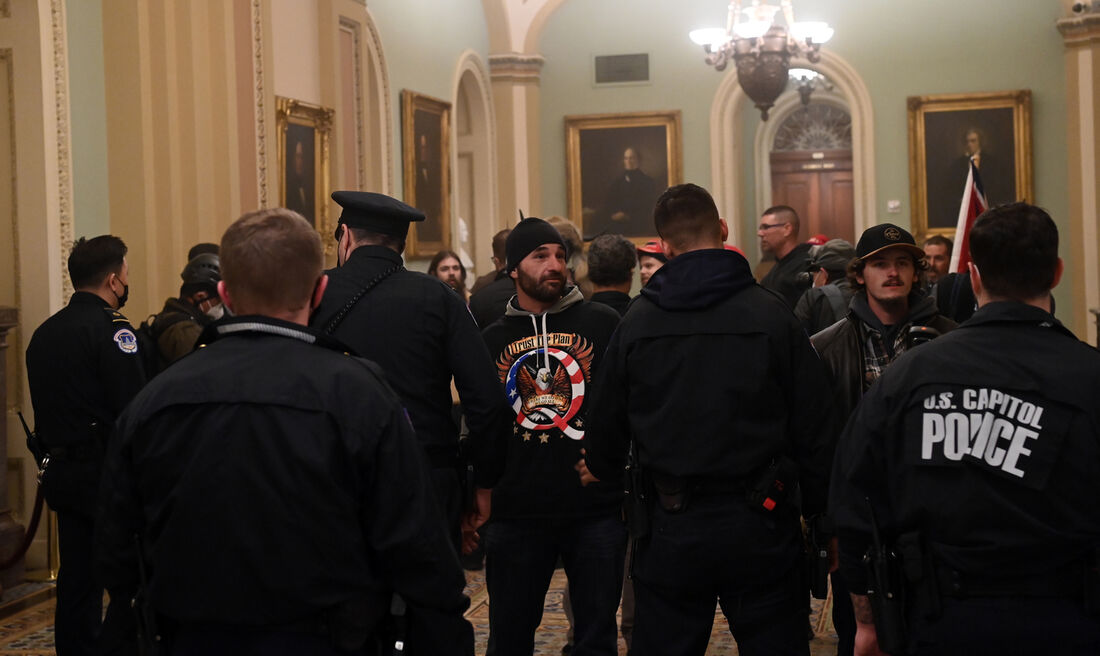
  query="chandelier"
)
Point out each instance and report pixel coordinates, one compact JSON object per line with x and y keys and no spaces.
{"x":761,"y":47}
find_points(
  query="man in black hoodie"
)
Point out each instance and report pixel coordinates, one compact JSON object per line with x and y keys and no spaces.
{"x":887,"y":315}
{"x":714,"y":382}
{"x":547,"y":347}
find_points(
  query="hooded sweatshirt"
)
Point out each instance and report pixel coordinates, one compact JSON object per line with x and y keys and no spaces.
{"x":547,"y":363}
{"x":712,"y":378}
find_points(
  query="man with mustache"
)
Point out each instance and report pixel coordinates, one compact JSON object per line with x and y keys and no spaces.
{"x":547,"y":348}
{"x":887,"y":306}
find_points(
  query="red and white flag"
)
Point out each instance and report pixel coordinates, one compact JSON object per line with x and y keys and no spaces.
{"x":973,"y":204}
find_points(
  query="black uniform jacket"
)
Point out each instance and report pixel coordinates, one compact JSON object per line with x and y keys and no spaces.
{"x":712,"y":377}
{"x":83,"y":367}
{"x":270,"y":479}
{"x":985,"y":441}
{"x":419,"y":331}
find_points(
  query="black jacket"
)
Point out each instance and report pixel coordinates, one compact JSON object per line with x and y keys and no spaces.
{"x":781,"y":278}
{"x":83,"y":368}
{"x":712,"y":377}
{"x":488,"y":303}
{"x":270,"y":479}
{"x":617,"y":301}
{"x":986,"y":441}
{"x":815,"y":309}
{"x":842,"y":345}
{"x":420,"y":332}
{"x":550,"y":412}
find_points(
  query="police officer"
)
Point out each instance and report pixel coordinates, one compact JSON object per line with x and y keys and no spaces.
{"x":274,"y":481}
{"x":978,"y":453}
{"x":713,"y":381}
{"x":421,"y":334}
{"x":83,"y":368}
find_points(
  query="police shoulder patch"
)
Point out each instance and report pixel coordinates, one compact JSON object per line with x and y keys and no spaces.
{"x":126,"y":340}
{"x":116,"y":316}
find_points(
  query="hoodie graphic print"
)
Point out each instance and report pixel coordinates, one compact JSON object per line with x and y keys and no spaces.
{"x":545,"y":377}
{"x":547,"y":363}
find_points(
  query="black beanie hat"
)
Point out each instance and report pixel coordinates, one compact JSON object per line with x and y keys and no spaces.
{"x":528,"y":235}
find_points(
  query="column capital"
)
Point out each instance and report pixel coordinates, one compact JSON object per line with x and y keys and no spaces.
{"x":515,"y":67}
{"x":1080,"y":30}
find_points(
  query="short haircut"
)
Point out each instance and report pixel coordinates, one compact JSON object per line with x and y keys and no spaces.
{"x":785,"y":213}
{"x":363,"y":236}
{"x":611,"y":260}
{"x":1015,"y":248}
{"x":499,"y":241}
{"x":443,"y":255}
{"x":92,"y":260}
{"x":855,"y":268}
{"x":685,"y":215}
{"x":939,"y":240}
{"x":271,"y":261}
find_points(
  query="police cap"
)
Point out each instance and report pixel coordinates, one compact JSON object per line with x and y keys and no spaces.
{"x":376,"y":212}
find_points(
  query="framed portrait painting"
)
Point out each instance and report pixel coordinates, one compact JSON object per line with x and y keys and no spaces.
{"x":425,"y":133}
{"x":946,"y":132}
{"x":303,"y":144}
{"x":616,"y":167}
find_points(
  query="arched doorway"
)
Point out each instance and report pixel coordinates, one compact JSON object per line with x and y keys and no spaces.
{"x":474,"y":168}
{"x":810,"y":165}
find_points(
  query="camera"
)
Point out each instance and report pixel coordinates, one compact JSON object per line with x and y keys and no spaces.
{"x":806,"y":278}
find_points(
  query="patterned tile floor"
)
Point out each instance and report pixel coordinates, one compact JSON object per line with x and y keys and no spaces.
{"x":29,"y":631}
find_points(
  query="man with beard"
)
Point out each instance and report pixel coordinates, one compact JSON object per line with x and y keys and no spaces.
{"x":447,"y":266}
{"x":421,"y":334}
{"x":887,"y":316}
{"x":547,"y":347}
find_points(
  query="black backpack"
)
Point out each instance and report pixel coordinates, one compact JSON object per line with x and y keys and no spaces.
{"x":148,"y":333}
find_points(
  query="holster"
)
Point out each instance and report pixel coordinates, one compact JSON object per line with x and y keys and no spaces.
{"x":636,"y":501}
{"x":817,"y":547}
{"x":919,"y":569}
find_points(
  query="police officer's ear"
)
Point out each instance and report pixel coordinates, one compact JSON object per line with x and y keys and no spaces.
{"x":1059,"y":269}
{"x":223,"y":291}
{"x":318,"y":292}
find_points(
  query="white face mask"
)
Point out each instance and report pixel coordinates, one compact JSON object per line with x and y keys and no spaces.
{"x":216,"y":312}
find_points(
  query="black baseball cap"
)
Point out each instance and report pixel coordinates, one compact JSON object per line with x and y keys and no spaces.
{"x":886,"y":235}
{"x":376,"y":212}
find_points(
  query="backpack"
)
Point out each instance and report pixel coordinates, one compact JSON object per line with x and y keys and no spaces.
{"x":148,"y":333}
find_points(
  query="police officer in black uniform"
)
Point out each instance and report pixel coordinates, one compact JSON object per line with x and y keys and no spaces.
{"x":714,"y":382}
{"x":978,"y":453}
{"x":421,"y":334}
{"x":275,"y":482}
{"x":83,"y":367}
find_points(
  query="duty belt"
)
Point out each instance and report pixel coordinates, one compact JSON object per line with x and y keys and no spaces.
{"x":81,"y":451}
{"x":1068,"y":581}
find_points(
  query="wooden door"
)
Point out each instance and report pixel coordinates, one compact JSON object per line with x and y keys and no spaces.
{"x":818,"y":185}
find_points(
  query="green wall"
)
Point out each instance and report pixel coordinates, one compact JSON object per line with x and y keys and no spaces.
{"x":422,"y":41}
{"x":88,"y":118}
{"x":899,"y":50}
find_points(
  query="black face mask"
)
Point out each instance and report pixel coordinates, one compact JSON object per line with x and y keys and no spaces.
{"x":125,"y":295}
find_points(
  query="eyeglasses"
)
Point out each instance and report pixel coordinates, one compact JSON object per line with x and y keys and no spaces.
{"x":768,"y":226}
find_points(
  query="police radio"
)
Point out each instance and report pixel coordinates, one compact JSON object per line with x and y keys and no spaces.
{"x":918,"y":335}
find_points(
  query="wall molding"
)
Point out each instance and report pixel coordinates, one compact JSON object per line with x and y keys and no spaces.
{"x":726,"y":128}
{"x":258,"y":98}
{"x":355,"y":29}
{"x":381,"y":106}
{"x":64,"y":137}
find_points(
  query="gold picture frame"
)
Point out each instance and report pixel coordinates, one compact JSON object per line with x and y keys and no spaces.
{"x":942,"y":132}
{"x":601,"y":193}
{"x":426,"y":158}
{"x":303,"y":144}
